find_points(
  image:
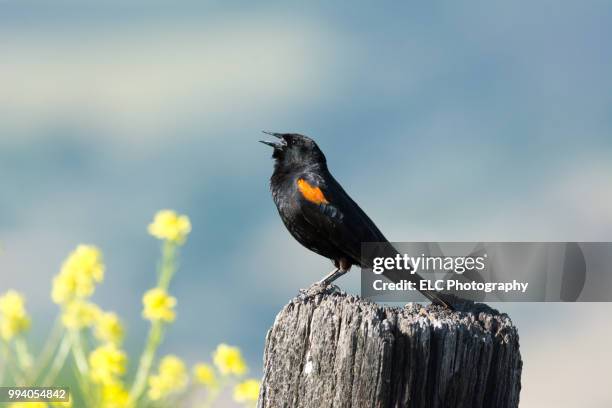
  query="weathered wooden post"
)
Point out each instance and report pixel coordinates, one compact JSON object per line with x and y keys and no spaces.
{"x":335,"y":350}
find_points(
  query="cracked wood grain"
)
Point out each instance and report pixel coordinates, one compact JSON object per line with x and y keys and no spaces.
{"x":335,"y":350}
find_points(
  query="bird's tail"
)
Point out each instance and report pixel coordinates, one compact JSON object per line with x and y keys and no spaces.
{"x":439,"y":298}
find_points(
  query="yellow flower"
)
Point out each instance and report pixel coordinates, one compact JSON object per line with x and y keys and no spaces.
{"x":80,"y":271}
{"x":158,"y":305}
{"x":79,"y":314}
{"x":64,"y":288}
{"x":205,"y":374}
{"x":109,"y":328}
{"x":170,"y":226}
{"x":85,"y":260}
{"x":9,"y":328}
{"x":247,"y":391}
{"x":107,"y":363}
{"x":229,"y":360}
{"x":28,"y":405}
{"x":114,"y":395}
{"x":13,"y":316}
{"x":172,"y":377}
{"x":12,"y":304}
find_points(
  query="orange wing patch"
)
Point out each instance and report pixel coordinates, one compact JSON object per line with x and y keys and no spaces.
{"x":310,"y":193}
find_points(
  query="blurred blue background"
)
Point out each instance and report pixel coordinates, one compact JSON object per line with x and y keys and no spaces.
{"x":447,"y":121}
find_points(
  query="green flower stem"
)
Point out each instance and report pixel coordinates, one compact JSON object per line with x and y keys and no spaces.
{"x":10,"y":362}
{"x":78,"y":353}
{"x":211,"y":396}
{"x":80,"y":360}
{"x":168,"y":264}
{"x":146,"y":360}
{"x":23,"y":356}
{"x":4,"y":363}
{"x":52,"y":343}
{"x":181,"y":398}
{"x":83,"y":385}
{"x":214,"y":391}
{"x":58,"y":361}
{"x":167,"y":268}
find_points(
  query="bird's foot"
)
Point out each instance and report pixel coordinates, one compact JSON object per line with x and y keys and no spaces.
{"x":316,"y":289}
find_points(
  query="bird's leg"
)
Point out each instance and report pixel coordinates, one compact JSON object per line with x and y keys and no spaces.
{"x":317,"y":288}
{"x":332,"y":276}
{"x":321,"y":286}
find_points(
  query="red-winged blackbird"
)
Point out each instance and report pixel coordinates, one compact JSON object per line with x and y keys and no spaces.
{"x":318,"y":212}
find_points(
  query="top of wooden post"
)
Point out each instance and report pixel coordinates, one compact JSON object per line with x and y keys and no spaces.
{"x":335,"y":349}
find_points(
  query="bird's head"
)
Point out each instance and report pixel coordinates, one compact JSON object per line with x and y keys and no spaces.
{"x":293,"y":150}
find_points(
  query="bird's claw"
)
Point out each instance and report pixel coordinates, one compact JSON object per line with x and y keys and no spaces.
{"x":316,"y":289}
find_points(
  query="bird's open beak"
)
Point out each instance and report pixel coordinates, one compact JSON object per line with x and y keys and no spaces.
{"x":276,"y":135}
{"x":274,"y":145}
{"x":277,"y":145}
